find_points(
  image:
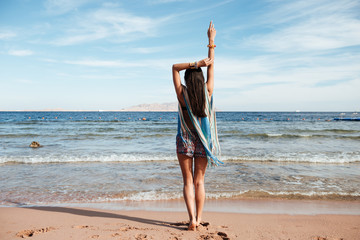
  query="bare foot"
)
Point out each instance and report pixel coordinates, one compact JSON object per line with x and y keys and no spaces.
{"x":198,"y":222}
{"x":192,"y":226}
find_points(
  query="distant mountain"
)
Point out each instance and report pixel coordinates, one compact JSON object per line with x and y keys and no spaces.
{"x":153,"y":107}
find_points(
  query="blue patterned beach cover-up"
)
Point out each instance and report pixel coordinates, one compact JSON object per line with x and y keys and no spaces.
{"x":204,"y":126}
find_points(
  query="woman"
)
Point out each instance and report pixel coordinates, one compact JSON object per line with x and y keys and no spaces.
{"x":196,"y":140}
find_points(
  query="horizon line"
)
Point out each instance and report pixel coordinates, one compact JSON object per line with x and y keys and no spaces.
{"x":124,"y":110}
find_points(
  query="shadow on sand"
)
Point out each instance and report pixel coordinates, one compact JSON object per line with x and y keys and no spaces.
{"x":96,"y":213}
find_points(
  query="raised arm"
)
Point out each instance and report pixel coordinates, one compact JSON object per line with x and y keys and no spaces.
{"x":211,"y":54}
{"x":176,"y":68}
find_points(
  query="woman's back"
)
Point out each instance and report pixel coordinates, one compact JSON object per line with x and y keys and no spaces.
{"x":196,"y":140}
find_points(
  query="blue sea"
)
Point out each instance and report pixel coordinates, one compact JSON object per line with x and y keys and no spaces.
{"x":102,"y":157}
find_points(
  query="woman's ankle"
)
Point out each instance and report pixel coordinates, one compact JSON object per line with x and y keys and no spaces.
{"x":198,"y":221}
{"x":192,"y":226}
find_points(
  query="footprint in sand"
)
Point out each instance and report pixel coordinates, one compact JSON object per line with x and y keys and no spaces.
{"x":202,"y":226}
{"x":325,"y":238}
{"x":215,"y":236}
{"x":81,"y":226}
{"x":205,"y":224}
{"x":223,"y":235}
{"x":141,"y":236}
{"x":128,"y":228}
{"x":85,"y":227}
{"x":175,"y":238}
{"x":30,"y":233}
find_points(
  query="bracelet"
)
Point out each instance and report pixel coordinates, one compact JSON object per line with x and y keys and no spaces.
{"x":193,"y":65}
{"x":211,"y":46}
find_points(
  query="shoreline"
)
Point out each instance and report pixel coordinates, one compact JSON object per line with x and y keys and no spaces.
{"x":234,"y":205}
{"x":94,"y":223}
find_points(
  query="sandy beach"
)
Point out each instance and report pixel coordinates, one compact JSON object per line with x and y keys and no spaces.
{"x":111,"y":175}
{"x":90,"y":223}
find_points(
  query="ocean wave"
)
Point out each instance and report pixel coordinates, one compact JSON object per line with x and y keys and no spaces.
{"x":32,"y":122}
{"x":88,"y":158}
{"x":84,"y":136}
{"x":21,"y":135}
{"x":142,"y":196}
{"x":124,"y":137}
{"x":328,"y":130}
{"x":246,"y":194}
{"x":108,"y":129}
{"x":158,"y":135}
{"x":287,"y":136}
{"x":335,"y":159}
{"x":313,"y":195}
{"x":340,"y":158}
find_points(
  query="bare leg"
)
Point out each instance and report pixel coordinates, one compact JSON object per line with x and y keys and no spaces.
{"x":186,"y":165}
{"x":199,"y":175}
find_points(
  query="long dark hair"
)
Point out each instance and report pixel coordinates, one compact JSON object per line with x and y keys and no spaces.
{"x":194,"y":80}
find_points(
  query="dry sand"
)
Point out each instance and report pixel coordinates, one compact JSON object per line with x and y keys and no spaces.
{"x":84,"y":223}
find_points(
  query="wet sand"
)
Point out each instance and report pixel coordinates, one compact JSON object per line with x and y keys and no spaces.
{"x":89,"y":223}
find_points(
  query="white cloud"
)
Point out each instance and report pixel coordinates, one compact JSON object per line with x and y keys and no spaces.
{"x":112,"y":24}
{"x":49,"y":60}
{"x":296,"y":96}
{"x":307,"y":71}
{"x":309,"y":25}
{"x":123,"y":22}
{"x":281,"y":12}
{"x":20,"y":53}
{"x":115,"y":24}
{"x":158,"y":64}
{"x":165,"y":1}
{"x":317,"y":35}
{"x":6,"y":35}
{"x":77,"y":39}
{"x":25,"y":81}
{"x":148,"y":50}
{"x":304,"y":63}
{"x":103,"y":63}
{"x":59,"y":7}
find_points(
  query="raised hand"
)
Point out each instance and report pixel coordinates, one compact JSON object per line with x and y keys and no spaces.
{"x":211,"y":32}
{"x":205,"y":62}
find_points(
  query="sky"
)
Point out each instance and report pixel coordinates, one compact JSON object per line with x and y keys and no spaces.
{"x":271,"y":55}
